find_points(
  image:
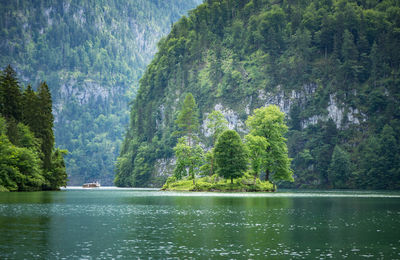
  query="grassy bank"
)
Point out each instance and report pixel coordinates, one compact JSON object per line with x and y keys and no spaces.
{"x":218,"y":184}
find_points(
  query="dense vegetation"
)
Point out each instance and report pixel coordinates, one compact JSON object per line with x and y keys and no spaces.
{"x":91,"y":53}
{"x":332,"y":65}
{"x":264,"y":147}
{"x":28,"y":159}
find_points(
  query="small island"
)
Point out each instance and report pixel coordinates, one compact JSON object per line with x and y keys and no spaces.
{"x":217,"y":184}
{"x":231,"y":164}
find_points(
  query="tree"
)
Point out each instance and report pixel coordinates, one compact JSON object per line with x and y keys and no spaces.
{"x":208,"y":168}
{"x":257,"y":147}
{"x":216,"y":124}
{"x":20,"y":168}
{"x":188,"y":118}
{"x":30,"y":108}
{"x":340,"y":168}
{"x":57,"y":176}
{"x":45,"y":126}
{"x":188,"y":159}
{"x":230,"y":155}
{"x":11,"y":97}
{"x":268,"y":122}
{"x":349,"y":66}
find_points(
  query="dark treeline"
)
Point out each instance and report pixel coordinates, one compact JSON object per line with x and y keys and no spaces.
{"x":333,"y":64}
{"x":28,"y":159}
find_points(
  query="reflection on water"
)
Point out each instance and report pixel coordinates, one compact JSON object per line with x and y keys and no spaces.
{"x":124,"y":223}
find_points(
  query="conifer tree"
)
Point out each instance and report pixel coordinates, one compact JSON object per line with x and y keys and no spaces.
{"x":45,"y":119}
{"x":11,"y":97}
{"x":188,"y":155}
{"x":30,"y":109}
{"x":188,"y":118}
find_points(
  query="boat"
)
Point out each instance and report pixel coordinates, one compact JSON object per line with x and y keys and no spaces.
{"x":91,"y":185}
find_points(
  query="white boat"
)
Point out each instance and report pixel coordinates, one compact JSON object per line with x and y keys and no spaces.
{"x":91,"y":185}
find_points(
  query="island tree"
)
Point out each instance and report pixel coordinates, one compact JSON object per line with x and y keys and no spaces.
{"x":188,"y":159}
{"x":257,"y":147}
{"x":269,"y":123}
{"x":230,"y":155}
{"x":216,"y":124}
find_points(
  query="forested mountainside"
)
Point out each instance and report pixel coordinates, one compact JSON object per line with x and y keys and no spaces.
{"x":331,"y":65}
{"x":91,"y":54}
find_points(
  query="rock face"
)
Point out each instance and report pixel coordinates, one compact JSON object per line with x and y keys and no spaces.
{"x":92,"y":56}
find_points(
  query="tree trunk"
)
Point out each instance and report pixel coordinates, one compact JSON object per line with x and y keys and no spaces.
{"x":231,"y":180}
{"x":267,"y":175}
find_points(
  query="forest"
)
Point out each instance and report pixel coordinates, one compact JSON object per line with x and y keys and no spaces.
{"x":91,"y":54}
{"x":332,"y":66}
{"x":29,"y":160}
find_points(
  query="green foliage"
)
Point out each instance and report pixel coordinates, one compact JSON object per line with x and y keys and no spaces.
{"x":43,"y":129}
{"x":214,"y":183}
{"x":188,"y":159}
{"x":231,"y":155}
{"x":268,"y":122}
{"x":339,"y":169}
{"x":188,"y":118}
{"x":209,"y":167}
{"x":257,"y":147}
{"x":24,"y":161}
{"x":92,"y":55}
{"x":321,"y":60}
{"x":10,"y":92}
{"x":20,"y":168}
{"x":216,"y":124}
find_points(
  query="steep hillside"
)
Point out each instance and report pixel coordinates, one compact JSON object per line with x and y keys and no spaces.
{"x":332,"y":66}
{"x":91,"y":54}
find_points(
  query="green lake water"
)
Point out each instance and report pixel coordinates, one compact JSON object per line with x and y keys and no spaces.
{"x":129,"y":224}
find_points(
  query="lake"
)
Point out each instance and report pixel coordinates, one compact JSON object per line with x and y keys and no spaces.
{"x":140,"y":223}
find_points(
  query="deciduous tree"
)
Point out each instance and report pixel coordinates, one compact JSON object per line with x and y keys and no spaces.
{"x":268,"y":122}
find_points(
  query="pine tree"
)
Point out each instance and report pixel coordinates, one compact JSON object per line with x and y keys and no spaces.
{"x":45,"y":119}
{"x":30,"y":105}
{"x":11,"y":96}
{"x":188,"y":118}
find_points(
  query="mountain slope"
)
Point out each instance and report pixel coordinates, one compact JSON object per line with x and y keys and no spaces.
{"x":332,"y":66}
{"x":91,"y":54}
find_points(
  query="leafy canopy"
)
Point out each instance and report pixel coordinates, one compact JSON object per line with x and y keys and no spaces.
{"x":230,"y":155}
{"x":268,"y":122}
